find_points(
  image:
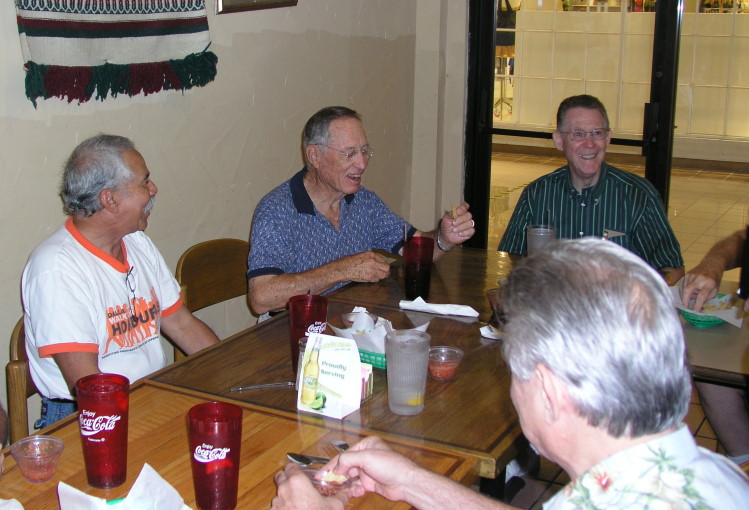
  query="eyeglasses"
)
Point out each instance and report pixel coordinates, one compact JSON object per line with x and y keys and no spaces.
{"x":577,"y":135}
{"x":130,"y":282}
{"x":365,"y":151}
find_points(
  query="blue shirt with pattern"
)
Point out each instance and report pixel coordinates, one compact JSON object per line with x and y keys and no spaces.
{"x":622,"y":203}
{"x":290,"y":236}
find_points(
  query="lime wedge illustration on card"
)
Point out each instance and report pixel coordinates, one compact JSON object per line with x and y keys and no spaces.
{"x":319,"y":401}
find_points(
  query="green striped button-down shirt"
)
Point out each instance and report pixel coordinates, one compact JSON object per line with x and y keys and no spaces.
{"x":621,"y":202}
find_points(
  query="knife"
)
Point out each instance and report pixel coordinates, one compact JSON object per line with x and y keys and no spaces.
{"x":306,"y":460}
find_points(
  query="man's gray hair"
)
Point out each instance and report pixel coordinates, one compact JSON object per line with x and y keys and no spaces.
{"x":95,"y":165}
{"x":602,"y":321}
{"x":317,"y":128}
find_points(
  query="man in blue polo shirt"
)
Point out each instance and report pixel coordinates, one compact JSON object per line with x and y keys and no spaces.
{"x":316,"y":231}
{"x":588,"y":197}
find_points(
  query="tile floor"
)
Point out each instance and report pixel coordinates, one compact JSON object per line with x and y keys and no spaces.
{"x":704,"y":207}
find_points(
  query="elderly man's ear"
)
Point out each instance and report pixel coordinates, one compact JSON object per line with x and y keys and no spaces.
{"x":313,"y":154}
{"x":109,"y":200}
{"x":553,"y":394}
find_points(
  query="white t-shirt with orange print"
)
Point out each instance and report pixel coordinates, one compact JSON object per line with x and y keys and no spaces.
{"x":76,"y":298}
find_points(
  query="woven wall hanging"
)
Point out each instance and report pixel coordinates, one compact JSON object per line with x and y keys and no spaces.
{"x":79,"y":49}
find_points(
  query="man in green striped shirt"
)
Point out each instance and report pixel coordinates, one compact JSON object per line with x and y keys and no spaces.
{"x":589,"y":197}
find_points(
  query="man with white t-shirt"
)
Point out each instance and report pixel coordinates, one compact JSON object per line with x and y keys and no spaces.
{"x":97,"y":292}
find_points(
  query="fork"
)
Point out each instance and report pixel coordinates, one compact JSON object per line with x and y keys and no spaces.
{"x":333,"y":448}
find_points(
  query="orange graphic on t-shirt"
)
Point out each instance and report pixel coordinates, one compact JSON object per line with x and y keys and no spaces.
{"x":132,"y":323}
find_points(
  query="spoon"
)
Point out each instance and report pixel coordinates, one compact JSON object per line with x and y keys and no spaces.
{"x":306,"y":460}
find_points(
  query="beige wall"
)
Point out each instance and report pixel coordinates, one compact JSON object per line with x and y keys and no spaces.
{"x":215,"y":151}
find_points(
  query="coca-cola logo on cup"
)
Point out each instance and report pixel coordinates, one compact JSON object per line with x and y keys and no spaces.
{"x":316,"y":327}
{"x":207,"y":453}
{"x":92,"y":424}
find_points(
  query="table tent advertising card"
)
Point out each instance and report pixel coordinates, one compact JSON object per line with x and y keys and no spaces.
{"x":330,"y":380}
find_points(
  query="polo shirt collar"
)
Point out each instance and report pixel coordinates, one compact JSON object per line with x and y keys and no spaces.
{"x":300,"y":197}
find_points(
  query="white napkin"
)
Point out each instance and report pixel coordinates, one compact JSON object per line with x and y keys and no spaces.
{"x":491,"y":332}
{"x":420,"y":305}
{"x":733,"y":315}
{"x":149,"y":492}
{"x":368,"y":337}
{"x":10,"y":504}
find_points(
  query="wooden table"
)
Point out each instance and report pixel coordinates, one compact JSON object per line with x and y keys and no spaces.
{"x":158,"y":436}
{"x":719,"y":354}
{"x":471,"y":415}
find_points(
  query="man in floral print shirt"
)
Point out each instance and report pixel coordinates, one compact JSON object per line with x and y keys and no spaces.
{"x":601,"y":384}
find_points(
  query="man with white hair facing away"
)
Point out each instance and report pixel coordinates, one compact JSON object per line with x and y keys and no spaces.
{"x":601,"y":385}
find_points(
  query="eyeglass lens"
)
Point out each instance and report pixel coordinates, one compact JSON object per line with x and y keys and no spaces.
{"x":596,"y":134}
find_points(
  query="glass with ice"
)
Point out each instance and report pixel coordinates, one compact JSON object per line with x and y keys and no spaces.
{"x":407,"y":353}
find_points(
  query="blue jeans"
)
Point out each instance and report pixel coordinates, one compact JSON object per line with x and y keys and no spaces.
{"x":54,"y":411}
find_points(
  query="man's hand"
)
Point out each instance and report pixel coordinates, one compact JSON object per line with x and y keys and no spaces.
{"x":362,"y":267}
{"x":295,"y":491}
{"x":272,"y":292}
{"x":458,"y":229}
{"x":701,"y":284}
{"x":378,"y":467}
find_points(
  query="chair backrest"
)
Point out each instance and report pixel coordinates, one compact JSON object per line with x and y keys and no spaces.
{"x":19,"y":384}
{"x":211,"y":272}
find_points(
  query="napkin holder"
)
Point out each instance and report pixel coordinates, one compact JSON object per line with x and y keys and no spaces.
{"x":149,"y":492}
{"x":370,"y":339}
{"x":339,"y":380}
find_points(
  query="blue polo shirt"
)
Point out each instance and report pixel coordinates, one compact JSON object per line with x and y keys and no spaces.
{"x":290,"y":236}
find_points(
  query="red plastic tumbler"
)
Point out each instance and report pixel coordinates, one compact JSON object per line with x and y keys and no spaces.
{"x":103,"y":401}
{"x":417,"y":266}
{"x":307,"y":314}
{"x":215,"y":442}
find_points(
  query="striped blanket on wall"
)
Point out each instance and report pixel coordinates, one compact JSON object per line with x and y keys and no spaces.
{"x":79,"y":49}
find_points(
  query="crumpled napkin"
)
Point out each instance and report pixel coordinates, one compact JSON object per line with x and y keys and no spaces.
{"x":149,"y":492}
{"x":491,"y":332}
{"x":369,"y":337}
{"x":733,"y":315}
{"x":420,"y":305}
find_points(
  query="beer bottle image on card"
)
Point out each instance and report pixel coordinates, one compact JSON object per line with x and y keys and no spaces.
{"x":310,"y":375}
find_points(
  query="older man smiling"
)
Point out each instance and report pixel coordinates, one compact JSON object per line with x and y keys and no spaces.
{"x":588,"y":197}
{"x":316,"y":231}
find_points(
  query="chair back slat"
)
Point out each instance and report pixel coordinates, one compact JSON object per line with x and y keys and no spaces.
{"x":20,"y":386}
{"x":213,"y":271}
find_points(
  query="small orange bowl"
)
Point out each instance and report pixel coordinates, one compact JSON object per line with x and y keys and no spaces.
{"x":444,"y":362}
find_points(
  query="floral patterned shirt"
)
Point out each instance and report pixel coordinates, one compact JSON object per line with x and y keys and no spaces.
{"x":670,"y":472}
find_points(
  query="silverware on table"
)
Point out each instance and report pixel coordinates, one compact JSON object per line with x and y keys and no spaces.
{"x":333,"y":448}
{"x":306,"y":460}
{"x":261,"y":386}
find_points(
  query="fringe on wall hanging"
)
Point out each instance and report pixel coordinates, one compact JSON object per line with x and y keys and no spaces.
{"x":79,"y":49}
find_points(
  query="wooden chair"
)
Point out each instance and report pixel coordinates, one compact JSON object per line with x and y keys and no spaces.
{"x":211,"y":272}
{"x":19,"y":384}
